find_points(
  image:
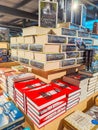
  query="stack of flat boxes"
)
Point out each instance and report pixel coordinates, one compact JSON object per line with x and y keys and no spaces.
{"x":36,"y":48}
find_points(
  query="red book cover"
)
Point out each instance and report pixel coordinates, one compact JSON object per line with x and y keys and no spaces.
{"x":68,"y":89}
{"x":45,"y":110}
{"x":44,"y":98}
{"x":43,"y":117}
{"x":47,"y":119}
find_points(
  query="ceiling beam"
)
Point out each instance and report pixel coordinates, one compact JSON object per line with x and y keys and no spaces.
{"x":18,"y":13}
{"x":7,"y":25}
{"x":22,"y":3}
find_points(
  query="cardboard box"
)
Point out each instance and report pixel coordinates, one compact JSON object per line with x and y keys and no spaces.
{"x":21,"y":53}
{"x":29,"y":55}
{"x":48,"y":57}
{"x":14,"y":52}
{"x":45,"y":48}
{"x":46,"y":66}
{"x":4,"y":45}
{"x":13,"y":40}
{"x":35,"y":30}
{"x":29,"y":39}
{"x":20,"y":40}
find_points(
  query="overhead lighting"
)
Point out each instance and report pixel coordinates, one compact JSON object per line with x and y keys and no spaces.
{"x":75,"y":4}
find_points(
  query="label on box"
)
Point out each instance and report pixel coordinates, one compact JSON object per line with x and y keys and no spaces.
{"x":25,"y":61}
{"x":72,"y":54}
{"x":51,"y":57}
{"x":38,"y":48}
{"x":37,"y":64}
{"x":23,"y":46}
{"x":56,"y":39}
{"x":83,"y":34}
{"x":80,"y":61}
{"x":88,"y":41}
{"x":14,"y":58}
{"x":69,"y":32}
{"x":68,"y":48}
{"x":67,"y":62}
{"x":14,"y":46}
{"x":93,"y":35}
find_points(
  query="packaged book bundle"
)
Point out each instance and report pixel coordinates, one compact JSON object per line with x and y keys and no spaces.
{"x":79,"y":80}
{"x":77,"y":120}
{"x":92,"y":85}
{"x":43,"y":102}
{"x":72,"y":93}
{"x":10,"y":116}
{"x":16,"y":78}
{"x":25,"y":86}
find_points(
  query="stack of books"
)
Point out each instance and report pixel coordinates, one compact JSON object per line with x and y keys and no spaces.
{"x":79,"y":121}
{"x":16,"y":78}
{"x":10,"y":116}
{"x":3,"y":78}
{"x":79,"y":80}
{"x":72,"y":93}
{"x":46,"y":104}
{"x":25,"y":86}
{"x":91,"y":85}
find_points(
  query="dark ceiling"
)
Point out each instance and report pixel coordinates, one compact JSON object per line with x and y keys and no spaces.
{"x":17,"y":14}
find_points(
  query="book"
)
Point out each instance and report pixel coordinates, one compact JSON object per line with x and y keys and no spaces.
{"x":49,"y":57}
{"x":77,"y":120}
{"x":43,"y":99}
{"x":45,"y":48}
{"x":10,"y":115}
{"x":69,"y":89}
{"x":76,"y":79}
{"x":88,"y":73}
{"x":46,"y":66}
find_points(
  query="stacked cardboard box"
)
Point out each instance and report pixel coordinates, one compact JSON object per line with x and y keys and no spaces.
{"x":45,"y":49}
{"x":79,"y":80}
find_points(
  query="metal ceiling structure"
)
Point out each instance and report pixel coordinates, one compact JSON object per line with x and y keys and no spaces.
{"x":21,"y":13}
